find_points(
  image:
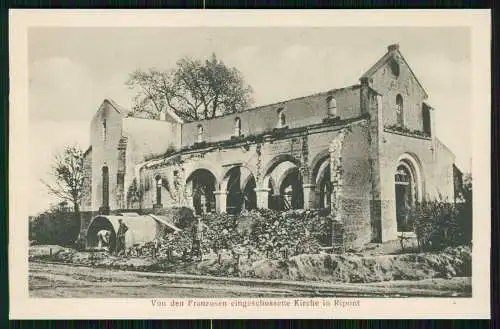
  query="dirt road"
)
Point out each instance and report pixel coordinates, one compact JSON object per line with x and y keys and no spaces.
{"x":50,"y":280}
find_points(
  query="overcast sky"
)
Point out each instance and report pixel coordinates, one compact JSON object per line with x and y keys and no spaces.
{"x":72,"y":70}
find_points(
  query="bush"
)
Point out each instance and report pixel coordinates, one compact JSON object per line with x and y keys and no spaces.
{"x":268,"y":233}
{"x":252,"y":234}
{"x":55,"y":226}
{"x":440,"y":224}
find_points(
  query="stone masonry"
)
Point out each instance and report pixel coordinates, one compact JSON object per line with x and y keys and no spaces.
{"x":366,"y":151}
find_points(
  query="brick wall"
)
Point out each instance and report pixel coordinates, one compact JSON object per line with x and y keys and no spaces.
{"x":357,"y":188}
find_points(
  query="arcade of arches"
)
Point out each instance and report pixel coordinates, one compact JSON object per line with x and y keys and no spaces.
{"x":282,"y":187}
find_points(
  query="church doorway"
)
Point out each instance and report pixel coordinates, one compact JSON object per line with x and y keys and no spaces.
{"x":405,"y":196}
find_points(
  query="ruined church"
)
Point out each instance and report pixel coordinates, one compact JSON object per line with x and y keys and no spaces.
{"x":367,"y":152}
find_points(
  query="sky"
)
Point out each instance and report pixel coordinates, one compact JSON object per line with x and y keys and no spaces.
{"x":72,"y":70}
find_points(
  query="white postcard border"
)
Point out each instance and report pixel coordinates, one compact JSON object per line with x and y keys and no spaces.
{"x":24,"y":307}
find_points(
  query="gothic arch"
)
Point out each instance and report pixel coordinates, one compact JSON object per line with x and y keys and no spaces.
{"x":225,"y":175}
{"x":274,"y":162}
{"x":203,"y":184}
{"x":190,"y":168}
{"x":283,"y":177}
{"x":408,"y":189}
{"x":316,"y":163}
{"x":239,"y":184}
{"x":412,"y":161}
{"x":268,"y":182}
{"x":322,"y":181}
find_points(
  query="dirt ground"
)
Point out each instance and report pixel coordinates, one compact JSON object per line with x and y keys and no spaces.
{"x":331,"y":268}
{"x":50,"y":280}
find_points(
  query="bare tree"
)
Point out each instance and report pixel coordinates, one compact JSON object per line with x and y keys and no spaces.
{"x":195,"y":90}
{"x":67,"y":171}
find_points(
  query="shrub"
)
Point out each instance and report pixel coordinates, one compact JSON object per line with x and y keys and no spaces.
{"x":252,"y":234}
{"x":55,"y":226}
{"x":440,"y":224}
{"x":268,"y":233}
{"x":464,"y":219}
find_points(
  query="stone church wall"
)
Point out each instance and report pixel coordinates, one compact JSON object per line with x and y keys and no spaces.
{"x":357,"y":188}
{"x":299,"y":113}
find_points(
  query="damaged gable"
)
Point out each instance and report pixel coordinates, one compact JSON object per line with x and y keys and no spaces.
{"x":394,"y":65}
{"x":403,"y":96}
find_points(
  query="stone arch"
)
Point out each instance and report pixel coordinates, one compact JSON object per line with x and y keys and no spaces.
{"x":239,"y":194}
{"x":203,"y":184}
{"x":224,"y":176}
{"x":284,"y":170}
{"x":279,"y":159}
{"x":269,"y":183}
{"x":316,"y":162}
{"x":285,"y":173}
{"x":291,"y":188}
{"x":190,"y":168}
{"x":323,"y":186}
{"x":416,"y":166}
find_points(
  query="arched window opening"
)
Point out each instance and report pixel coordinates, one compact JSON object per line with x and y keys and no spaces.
{"x":105,"y":187}
{"x":237,"y":127}
{"x":399,"y":111}
{"x":159,"y":184}
{"x":405,"y":196}
{"x":104,"y":131}
{"x":332,"y":106}
{"x":426,"y":118}
{"x":281,"y":118}
{"x":394,"y":67}
{"x":200,"y":134}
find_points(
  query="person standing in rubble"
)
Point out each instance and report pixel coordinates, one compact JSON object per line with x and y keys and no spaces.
{"x":120,"y":237}
{"x":197,"y":232}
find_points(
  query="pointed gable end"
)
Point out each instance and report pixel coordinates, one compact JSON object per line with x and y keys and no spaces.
{"x":393,"y":53}
{"x":115,"y":106}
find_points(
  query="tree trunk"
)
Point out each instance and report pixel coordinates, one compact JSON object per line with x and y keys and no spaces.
{"x":76,"y":207}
